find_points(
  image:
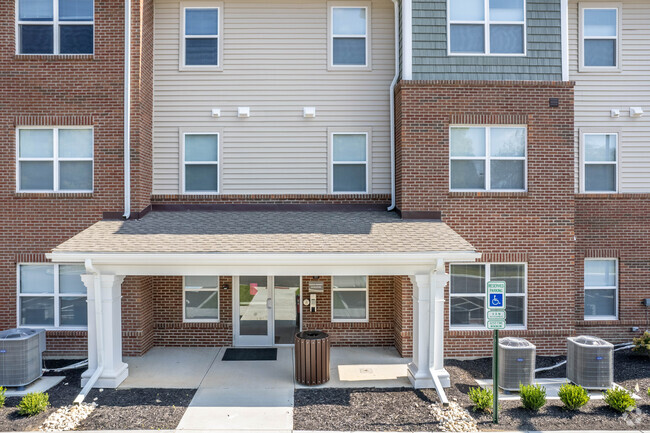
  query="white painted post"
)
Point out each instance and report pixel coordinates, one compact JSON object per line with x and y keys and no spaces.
{"x":440,"y":280}
{"x":89,"y":282}
{"x":418,"y":369}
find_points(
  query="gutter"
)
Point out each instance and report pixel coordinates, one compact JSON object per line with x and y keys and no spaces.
{"x":127,"y":109}
{"x":392,"y":108}
{"x":564,"y":20}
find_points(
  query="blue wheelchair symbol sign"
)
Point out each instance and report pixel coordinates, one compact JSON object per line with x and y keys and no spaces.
{"x":496,"y":300}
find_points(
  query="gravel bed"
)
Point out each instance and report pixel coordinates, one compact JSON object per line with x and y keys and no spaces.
{"x":409,"y":410}
{"x":144,"y":409}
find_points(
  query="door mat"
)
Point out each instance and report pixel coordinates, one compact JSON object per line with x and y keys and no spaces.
{"x":269,"y":354}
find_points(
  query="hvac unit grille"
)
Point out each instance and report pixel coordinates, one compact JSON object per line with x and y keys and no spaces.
{"x":516,"y":363}
{"x":21,"y":356}
{"x":590,"y":362}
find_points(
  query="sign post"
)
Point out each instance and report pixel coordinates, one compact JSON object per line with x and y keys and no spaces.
{"x":496,"y":315}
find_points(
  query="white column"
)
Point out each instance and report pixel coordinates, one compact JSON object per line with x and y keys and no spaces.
{"x":439,"y":281}
{"x":107,"y":353}
{"x":418,"y":369}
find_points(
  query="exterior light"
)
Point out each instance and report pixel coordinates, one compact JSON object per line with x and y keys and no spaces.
{"x":243,"y":112}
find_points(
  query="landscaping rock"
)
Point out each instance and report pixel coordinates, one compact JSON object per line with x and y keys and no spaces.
{"x":68,"y":417}
{"x":453,"y":418}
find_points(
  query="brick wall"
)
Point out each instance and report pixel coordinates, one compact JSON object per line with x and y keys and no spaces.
{"x":403,"y":315}
{"x":536,"y":227}
{"x":137,"y":315}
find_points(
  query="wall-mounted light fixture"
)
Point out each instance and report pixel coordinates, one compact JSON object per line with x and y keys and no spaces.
{"x":636,"y":111}
{"x":615,"y":112}
{"x":309,"y":112}
{"x":216,"y":112}
{"x":225,"y":286}
{"x":243,"y":112}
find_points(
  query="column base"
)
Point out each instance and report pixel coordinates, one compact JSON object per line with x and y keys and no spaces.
{"x":421,"y":378}
{"x":108,"y":379}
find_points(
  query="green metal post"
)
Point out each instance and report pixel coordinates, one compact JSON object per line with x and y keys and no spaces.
{"x":495,"y":378}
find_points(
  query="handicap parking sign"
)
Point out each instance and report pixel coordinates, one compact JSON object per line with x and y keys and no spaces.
{"x":496,"y":295}
{"x":496,"y":300}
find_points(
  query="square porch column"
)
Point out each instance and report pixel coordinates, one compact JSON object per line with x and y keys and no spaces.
{"x":105,"y":332}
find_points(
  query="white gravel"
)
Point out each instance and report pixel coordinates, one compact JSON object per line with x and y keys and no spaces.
{"x":453,"y":418}
{"x":67,"y":417}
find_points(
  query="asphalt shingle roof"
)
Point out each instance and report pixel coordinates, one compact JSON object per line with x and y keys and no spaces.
{"x":266,"y":232}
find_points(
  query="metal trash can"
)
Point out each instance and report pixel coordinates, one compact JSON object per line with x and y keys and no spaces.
{"x":312,"y":357}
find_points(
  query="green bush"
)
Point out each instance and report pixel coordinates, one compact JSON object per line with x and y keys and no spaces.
{"x":482,"y":398}
{"x":619,"y":399}
{"x":533,"y":397}
{"x":33,"y":403}
{"x":2,"y":396}
{"x":642,"y":344}
{"x":573,"y":396}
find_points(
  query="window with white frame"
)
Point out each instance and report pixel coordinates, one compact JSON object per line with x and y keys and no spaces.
{"x":600,"y":159}
{"x":201,"y":36}
{"x":349,"y":36}
{"x":55,"y":159}
{"x":350,"y":162}
{"x":55,"y":27}
{"x":51,"y":296}
{"x":487,"y":158}
{"x":600,"y":37}
{"x":487,"y":27}
{"x":201,"y":162}
{"x":468,"y":293}
{"x":601,"y":289}
{"x":350,"y":299}
{"x":201,"y":299}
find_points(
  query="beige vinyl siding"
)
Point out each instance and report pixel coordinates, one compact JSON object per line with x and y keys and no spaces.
{"x":275,"y":62}
{"x":596,"y":93}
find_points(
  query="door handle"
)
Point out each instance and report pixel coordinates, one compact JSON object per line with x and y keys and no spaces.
{"x":269,"y":305}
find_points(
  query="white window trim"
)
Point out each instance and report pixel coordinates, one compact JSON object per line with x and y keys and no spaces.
{"x":486,"y":29}
{"x":182,"y":133}
{"x":56,"y":295}
{"x":330,"y":36}
{"x":55,"y":33}
{"x":55,"y":159}
{"x":487,"y":265}
{"x":581,"y":37}
{"x":487,"y":158}
{"x":203,"y":289}
{"x":198,"y":4}
{"x":583,"y":163}
{"x":345,"y":289}
{"x":343,"y":131}
{"x":615,"y":288}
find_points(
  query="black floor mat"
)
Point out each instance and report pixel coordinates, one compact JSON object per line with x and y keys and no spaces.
{"x":269,"y":354}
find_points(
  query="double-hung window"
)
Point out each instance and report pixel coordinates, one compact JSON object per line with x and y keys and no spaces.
{"x":350,"y":299}
{"x":201,"y":299}
{"x":495,"y":27}
{"x":51,"y":296}
{"x":600,"y":155}
{"x":201,"y":41}
{"x":201,"y":162}
{"x":487,"y":158}
{"x":55,"y":159}
{"x":55,"y":27}
{"x":349,"y":44}
{"x":350,"y":162}
{"x":600,"y":38}
{"x":601,"y":289}
{"x":468,"y":293}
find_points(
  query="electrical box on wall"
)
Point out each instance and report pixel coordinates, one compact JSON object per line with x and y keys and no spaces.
{"x":316,"y":286}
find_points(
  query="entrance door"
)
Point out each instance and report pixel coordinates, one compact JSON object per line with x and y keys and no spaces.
{"x":266,"y":310}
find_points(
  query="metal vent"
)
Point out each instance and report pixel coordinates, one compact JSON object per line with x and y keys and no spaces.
{"x":590,"y":362}
{"x":21,"y":356}
{"x":516,"y":363}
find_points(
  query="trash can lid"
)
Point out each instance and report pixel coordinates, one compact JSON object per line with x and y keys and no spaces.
{"x":312,"y":335}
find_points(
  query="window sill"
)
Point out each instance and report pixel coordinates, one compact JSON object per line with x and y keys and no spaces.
{"x":350,"y":321}
{"x":200,"y":68}
{"x":600,"y":320}
{"x":54,"y":57}
{"x":201,"y":321}
{"x":484,"y":329}
{"x":55,"y":329}
{"x":331,"y":68}
{"x":489,"y":194}
{"x":55,"y":195}
{"x":612,"y":195}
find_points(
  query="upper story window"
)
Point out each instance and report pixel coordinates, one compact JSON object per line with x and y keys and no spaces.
{"x":600,"y":163}
{"x":201,"y":39}
{"x":599,"y":38}
{"x":55,"y":159}
{"x":468,"y":293}
{"x":51,"y":296}
{"x":350,"y":162}
{"x":601,"y":289}
{"x":201,"y":163}
{"x":487,"y":158}
{"x":55,"y":27}
{"x":349,"y":37}
{"x":495,"y":27}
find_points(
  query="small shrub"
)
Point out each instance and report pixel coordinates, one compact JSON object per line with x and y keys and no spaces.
{"x":482,"y":398}
{"x":642,"y":344}
{"x":573,"y":396}
{"x":533,"y":397}
{"x":33,"y":403}
{"x":619,"y":399}
{"x":2,"y":396}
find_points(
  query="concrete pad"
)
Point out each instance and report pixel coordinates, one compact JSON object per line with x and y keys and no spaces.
{"x":170,"y":367}
{"x":39,"y":385}
{"x":552,"y":386}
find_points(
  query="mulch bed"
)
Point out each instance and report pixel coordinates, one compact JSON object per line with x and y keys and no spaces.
{"x":144,"y":409}
{"x":408,"y":410}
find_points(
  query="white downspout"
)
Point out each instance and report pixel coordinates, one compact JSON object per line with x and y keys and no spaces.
{"x":99,"y":334}
{"x":392,"y":108}
{"x":127,"y":109}
{"x":564,"y":19}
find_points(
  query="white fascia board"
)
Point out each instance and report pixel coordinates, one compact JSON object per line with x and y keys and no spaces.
{"x":564,"y":20}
